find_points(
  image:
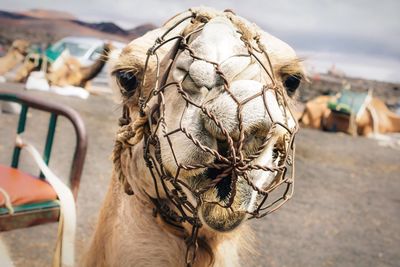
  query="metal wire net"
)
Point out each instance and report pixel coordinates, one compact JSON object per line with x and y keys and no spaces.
{"x":234,"y":164}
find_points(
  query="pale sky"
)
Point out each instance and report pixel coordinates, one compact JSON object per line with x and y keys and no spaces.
{"x":360,"y":37}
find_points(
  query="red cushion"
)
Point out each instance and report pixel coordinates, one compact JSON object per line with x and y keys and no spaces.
{"x":24,"y":188}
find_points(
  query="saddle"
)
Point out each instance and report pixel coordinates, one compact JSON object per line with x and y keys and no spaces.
{"x":348,"y":102}
{"x":351,"y":105}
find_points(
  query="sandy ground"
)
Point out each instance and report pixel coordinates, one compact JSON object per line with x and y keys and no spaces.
{"x":345,"y":212}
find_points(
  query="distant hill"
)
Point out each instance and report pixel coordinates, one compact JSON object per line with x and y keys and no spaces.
{"x":48,"y":14}
{"x":11,"y":15}
{"x":107,"y":27}
{"x":141,"y":29}
{"x":48,"y":26}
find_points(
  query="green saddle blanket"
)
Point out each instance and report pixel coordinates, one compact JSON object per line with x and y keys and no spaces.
{"x":53,"y":53}
{"x":348,"y":102}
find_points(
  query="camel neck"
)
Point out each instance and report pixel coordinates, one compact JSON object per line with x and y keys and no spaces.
{"x":213,"y":249}
{"x":91,"y":71}
{"x":129,"y":229}
{"x":10,"y":60}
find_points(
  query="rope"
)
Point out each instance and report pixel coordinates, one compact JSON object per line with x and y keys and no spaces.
{"x":7,"y":200}
{"x":375,"y":119}
{"x":64,"y":253}
{"x":127,"y":136}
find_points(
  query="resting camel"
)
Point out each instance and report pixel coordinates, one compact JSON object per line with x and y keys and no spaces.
{"x":376,"y":118}
{"x":72,"y":73}
{"x":15,"y":55}
{"x":205,"y":133}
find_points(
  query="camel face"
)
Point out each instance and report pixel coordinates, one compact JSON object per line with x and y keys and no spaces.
{"x":218,"y":102}
{"x":14,"y":56}
{"x":21,"y":46}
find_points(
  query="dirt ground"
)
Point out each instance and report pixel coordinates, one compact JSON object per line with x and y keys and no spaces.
{"x":345,"y":211}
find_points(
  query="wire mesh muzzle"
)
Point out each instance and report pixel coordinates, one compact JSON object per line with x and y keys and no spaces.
{"x":172,"y":193}
{"x":236,"y":164}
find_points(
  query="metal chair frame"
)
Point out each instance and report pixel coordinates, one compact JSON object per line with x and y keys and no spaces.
{"x":37,"y":213}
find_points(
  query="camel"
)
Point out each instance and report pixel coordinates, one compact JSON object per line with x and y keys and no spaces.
{"x":15,"y":55}
{"x":206,"y":131}
{"x":72,"y":73}
{"x":376,"y":119}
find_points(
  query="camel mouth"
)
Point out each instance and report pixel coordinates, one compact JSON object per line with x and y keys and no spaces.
{"x":221,"y":219}
{"x":216,"y":211}
{"x":231,"y":199}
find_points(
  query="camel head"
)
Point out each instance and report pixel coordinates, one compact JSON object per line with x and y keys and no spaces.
{"x":20,"y":46}
{"x":207,"y":101}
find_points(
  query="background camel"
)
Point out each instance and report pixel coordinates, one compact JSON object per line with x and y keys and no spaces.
{"x":72,"y":73}
{"x":69,"y":71}
{"x":377,"y":118}
{"x":220,"y":59}
{"x":15,"y":55}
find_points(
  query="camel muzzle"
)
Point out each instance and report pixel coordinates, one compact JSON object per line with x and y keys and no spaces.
{"x":244,"y":172}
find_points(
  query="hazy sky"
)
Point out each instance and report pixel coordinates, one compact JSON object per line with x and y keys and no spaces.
{"x":360,"y":37}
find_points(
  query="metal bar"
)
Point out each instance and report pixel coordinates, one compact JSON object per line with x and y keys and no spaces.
{"x":20,"y":129}
{"x":49,"y":140}
{"x":72,"y":116}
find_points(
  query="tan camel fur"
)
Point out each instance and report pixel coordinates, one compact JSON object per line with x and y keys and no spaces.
{"x":15,"y":55}
{"x":23,"y":72}
{"x":128,"y":233}
{"x":314,"y":111}
{"x":72,"y":73}
{"x":317,"y":115}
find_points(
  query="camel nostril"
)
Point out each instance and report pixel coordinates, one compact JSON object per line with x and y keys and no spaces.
{"x":224,"y":186}
{"x":223,"y":148}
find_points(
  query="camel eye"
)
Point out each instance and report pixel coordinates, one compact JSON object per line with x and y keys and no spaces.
{"x":127,"y":81}
{"x":292,"y":82}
